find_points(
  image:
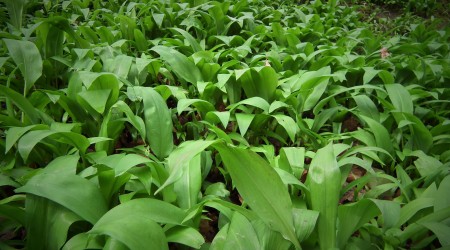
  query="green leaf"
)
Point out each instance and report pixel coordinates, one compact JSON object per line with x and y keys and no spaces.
{"x":135,"y":230}
{"x":288,"y":124}
{"x":324,"y":178}
{"x":216,"y":117}
{"x":158,"y":122}
{"x":250,"y":173}
{"x":304,"y":222}
{"x":26,"y":56}
{"x":122,"y":163}
{"x":96,"y":98}
{"x":29,"y":141}
{"x":367,"y":107}
{"x":192,"y":41}
{"x":21,"y":102}
{"x":179,"y":159}
{"x":180,"y":64}
{"x":185,"y":235}
{"x":400,"y":98}
{"x":369,"y":74}
{"x":188,"y":186}
{"x":151,"y":209}
{"x":70,"y":191}
{"x":441,"y":230}
{"x":47,"y":223}
{"x":390,"y":211}
{"x":201,"y":105}
{"x":15,"y":12}
{"x":257,"y":102}
{"x":141,"y":42}
{"x":352,"y":216}
{"x":422,"y":138}
{"x":244,"y":121}
{"x":381,"y":134}
{"x":241,"y":234}
{"x":13,"y":134}
{"x":261,"y":82}
{"x":442,"y":200}
{"x":386,"y":77}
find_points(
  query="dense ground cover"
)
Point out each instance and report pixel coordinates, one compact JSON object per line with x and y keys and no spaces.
{"x":222,"y":125}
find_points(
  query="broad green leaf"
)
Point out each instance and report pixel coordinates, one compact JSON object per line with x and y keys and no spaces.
{"x":257,"y":102}
{"x":442,"y":200}
{"x":158,"y":122}
{"x":244,"y":121}
{"x":122,"y":163}
{"x":352,"y":216}
{"x":261,"y":82}
{"x":421,"y":136}
{"x":28,"y":141}
{"x":268,"y":238}
{"x":159,"y":18}
{"x":381,"y":134}
{"x":304,"y":222}
{"x":179,"y":159}
{"x":27,"y":57}
{"x":441,"y":230}
{"x":63,"y":165}
{"x":185,"y":235}
{"x":180,"y":64}
{"x":324,"y":179}
{"x":151,"y":209}
{"x":102,"y":81}
{"x":70,"y":191}
{"x":292,"y":158}
{"x":400,"y":98}
{"x":216,"y":117}
{"x":201,"y":105}
{"x":250,"y":173}
{"x":97,"y":99}
{"x":192,"y":41}
{"x":386,"y":76}
{"x":15,"y":11}
{"x":47,"y":223}
{"x":241,"y":234}
{"x":135,"y":230}
{"x":288,"y":124}
{"x":141,"y":42}
{"x":188,"y":186}
{"x":289,"y":179}
{"x":367,"y":107}
{"x":417,"y":227}
{"x":369,"y":74}
{"x":83,"y":241}
{"x":276,"y":105}
{"x":390,"y":211}
{"x":13,"y":134}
